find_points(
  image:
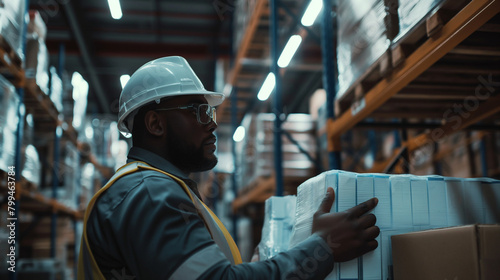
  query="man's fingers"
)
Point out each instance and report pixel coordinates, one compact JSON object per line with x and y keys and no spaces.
{"x":363,"y":208}
{"x":372,"y":245}
{"x":366,"y":221}
{"x":369,"y":246}
{"x":370,"y":233}
{"x":327,"y":202}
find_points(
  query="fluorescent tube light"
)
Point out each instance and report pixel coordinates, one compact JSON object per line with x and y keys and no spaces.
{"x":239,"y":134}
{"x":311,"y":12}
{"x":289,"y":51}
{"x":267,"y":87}
{"x":124,"y":79}
{"x":115,"y":9}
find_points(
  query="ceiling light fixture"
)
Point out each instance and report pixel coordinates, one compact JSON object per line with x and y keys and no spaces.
{"x":239,"y":134}
{"x":115,"y":9}
{"x":267,"y":87}
{"x":311,"y":12}
{"x":289,"y":51}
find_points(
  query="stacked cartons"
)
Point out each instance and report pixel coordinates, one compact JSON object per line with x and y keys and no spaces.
{"x":255,"y":154}
{"x":407,"y":203}
{"x":295,"y":162}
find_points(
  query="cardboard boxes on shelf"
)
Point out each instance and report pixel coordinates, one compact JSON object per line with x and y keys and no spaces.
{"x":467,"y":252}
{"x":256,"y":153}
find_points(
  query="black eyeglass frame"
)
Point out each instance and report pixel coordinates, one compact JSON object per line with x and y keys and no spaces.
{"x":210,"y":111}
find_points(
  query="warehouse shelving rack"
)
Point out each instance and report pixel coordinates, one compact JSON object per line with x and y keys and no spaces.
{"x":47,"y":119}
{"x":448,"y":42}
{"x":407,"y":75}
{"x":258,"y":44}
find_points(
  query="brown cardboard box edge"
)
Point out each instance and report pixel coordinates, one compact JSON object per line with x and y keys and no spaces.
{"x":466,"y":252}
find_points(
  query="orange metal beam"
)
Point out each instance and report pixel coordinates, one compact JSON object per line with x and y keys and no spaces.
{"x":245,"y":45}
{"x":486,"y":109}
{"x":17,"y":73}
{"x":468,"y":20}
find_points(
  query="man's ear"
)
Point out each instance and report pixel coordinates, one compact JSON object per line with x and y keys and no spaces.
{"x":154,"y":123}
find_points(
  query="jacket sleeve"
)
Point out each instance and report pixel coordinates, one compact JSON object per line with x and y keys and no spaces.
{"x":160,"y":236}
{"x":311,"y":259}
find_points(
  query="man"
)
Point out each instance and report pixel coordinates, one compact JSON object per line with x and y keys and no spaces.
{"x":148,"y":222}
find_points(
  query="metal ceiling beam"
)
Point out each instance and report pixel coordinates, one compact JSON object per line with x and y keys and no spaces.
{"x":86,"y":56}
{"x":136,"y":49}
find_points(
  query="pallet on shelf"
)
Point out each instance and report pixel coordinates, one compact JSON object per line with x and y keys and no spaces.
{"x":11,"y":64}
{"x":13,"y":57}
{"x":396,"y":56}
{"x":458,"y":29}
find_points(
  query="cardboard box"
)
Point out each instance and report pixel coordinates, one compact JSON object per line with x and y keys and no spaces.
{"x":466,"y":252}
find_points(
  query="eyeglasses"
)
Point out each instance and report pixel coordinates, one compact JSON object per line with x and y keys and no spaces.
{"x":204,"y":112}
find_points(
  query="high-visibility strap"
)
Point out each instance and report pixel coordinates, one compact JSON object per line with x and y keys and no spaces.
{"x":87,"y":266}
{"x":232,"y":245}
{"x":199,"y":263}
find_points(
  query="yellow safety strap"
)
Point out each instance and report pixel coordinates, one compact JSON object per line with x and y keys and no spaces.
{"x":235,"y":252}
{"x":85,"y":251}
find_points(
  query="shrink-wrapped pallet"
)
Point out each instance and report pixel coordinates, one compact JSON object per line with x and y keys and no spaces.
{"x":12,"y":24}
{"x":9,"y":104}
{"x":278,"y":223}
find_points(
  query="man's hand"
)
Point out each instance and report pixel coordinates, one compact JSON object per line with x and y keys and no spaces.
{"x":349,"y":234}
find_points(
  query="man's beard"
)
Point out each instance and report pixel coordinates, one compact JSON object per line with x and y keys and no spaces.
{"x":187,"y":157}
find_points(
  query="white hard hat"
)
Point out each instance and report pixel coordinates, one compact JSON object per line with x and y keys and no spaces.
{"x":162,"y":77}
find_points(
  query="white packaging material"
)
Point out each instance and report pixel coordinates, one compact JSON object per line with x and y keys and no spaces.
{"x":411,"y":12}
{"x":362,"y":38}
{"x":309,"y":197}
{"x":406,"y":203}
{"x":278,"y":223}
{"x":9,"y":104}
{"x":56,"y":88}
{"x":80,"y":93}
{"x":11,"y":23}
{"x":37,"y":62}
{"x":31,"y":168}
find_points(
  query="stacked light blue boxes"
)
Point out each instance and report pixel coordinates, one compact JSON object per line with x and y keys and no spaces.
{"x":406,"y":203}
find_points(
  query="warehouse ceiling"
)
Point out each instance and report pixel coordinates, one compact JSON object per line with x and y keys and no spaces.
{"x":102,"y":49}
{"x":84,"y":37}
